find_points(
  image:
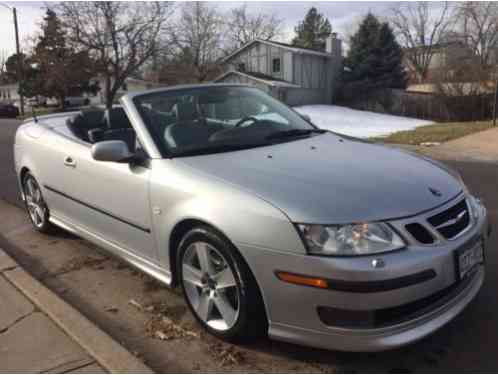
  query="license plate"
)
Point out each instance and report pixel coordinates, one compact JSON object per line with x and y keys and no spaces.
{"x":468,"y":259}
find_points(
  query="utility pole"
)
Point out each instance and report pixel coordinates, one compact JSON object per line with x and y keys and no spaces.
{"x":19,"y":62}
{"x":20,"y":73}
{"x":496,"y":97}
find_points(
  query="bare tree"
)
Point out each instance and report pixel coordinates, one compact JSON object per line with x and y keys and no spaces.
{"x":420,"y":28}
{"x":243,"y":27}
{"x":198,"y":38}
{"x":478,"y":22}
{"x":3,"y":61}
{"x":120,"y":36}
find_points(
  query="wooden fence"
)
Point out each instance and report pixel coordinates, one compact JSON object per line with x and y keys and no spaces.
{"x":426,"y":106}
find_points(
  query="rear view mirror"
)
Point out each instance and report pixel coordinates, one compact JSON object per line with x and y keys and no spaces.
{"x":113,"y":151}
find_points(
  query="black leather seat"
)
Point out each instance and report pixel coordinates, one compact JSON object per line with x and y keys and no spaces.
{"x":189,"y":129}
{"x":84,"y":121}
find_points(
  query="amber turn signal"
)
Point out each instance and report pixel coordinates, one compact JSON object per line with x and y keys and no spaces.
{"x":302,"y":280}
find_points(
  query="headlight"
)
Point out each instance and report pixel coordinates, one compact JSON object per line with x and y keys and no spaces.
{"x":354,"y":239}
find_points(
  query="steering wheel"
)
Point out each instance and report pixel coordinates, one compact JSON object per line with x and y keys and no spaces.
{"x":245,"y":119}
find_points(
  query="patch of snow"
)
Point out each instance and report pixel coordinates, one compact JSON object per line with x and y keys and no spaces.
{"x":355,"y":123}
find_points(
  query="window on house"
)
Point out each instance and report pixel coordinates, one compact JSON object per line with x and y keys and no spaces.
{"x":276,"y":65}
{"x":242,"y":67}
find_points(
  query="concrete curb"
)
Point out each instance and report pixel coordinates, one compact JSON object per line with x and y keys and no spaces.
{"x":106,"y":351}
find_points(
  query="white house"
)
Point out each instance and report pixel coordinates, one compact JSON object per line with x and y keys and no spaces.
{"x":130,"y":85}
{"x":9,"y":93}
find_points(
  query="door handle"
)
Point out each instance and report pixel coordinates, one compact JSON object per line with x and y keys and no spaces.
{"x":69,"y":162}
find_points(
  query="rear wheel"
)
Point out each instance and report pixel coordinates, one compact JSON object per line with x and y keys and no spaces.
{"x":218,"y":286}
{"x":35,"y":205}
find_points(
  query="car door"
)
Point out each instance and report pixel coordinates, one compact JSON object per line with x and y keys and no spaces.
{"x":108,"y":200}
{"x":114,"y":201}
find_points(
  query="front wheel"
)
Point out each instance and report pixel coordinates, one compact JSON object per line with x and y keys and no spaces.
{"x":218,"y":286}
{"x":35,"y":205}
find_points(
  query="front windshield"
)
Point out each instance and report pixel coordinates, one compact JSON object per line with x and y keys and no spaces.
{"x":218,"y":119}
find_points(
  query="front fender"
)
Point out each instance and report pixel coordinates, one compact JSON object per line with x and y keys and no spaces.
{"x":178,"y":193}
{"x":23,"y":158}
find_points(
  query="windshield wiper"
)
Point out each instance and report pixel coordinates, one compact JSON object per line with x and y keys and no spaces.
{"x":294,"y":133}
{"x":215,"y":149}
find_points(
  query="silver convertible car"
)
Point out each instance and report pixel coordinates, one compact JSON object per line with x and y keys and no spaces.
{"x":269,"y":224}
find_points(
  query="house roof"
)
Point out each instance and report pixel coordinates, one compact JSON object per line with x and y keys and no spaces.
{"x":288,"y":47}
{"x":260,"y":77}
{"x":439,"y":46}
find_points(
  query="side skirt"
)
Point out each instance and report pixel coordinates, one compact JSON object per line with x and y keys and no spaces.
{"x":143,"y":265}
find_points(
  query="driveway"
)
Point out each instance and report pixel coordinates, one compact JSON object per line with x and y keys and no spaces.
{"x":131,"y":307}
{"x":481,"y":146}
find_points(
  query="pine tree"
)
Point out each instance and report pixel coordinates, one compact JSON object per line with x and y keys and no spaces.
{"x":312,"y":31}
{"x":63,"y":71}
{"x":391,"y":72}
{"x":375,"y":57}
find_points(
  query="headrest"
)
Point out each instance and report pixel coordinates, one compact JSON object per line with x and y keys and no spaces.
{"x":83,"y":121}
{"x":89,"y":119}
{"x":186,"y":112}
{"x":116,"y":118}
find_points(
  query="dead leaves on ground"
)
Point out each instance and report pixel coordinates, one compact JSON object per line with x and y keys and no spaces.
{"x":163,"y":328}
{"x":226,"y":354}
{"x":160,"y":326}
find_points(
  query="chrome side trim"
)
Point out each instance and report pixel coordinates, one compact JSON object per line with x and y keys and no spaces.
{"x":99,"y":210}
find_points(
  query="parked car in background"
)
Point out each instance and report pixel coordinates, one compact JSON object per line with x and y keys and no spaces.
{"x":76,"y":101}
{"x":8,"y":110}
{"x":269,"y":224}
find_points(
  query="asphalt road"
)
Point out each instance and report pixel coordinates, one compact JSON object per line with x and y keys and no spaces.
{"x":102,"y":289}
{"x":8,"y":187}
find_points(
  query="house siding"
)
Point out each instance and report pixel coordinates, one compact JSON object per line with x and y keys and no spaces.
{"x":315,"y":74}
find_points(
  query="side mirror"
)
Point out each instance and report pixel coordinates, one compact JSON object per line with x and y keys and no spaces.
{"x":305,"y":117}
{"x":113,"y":151}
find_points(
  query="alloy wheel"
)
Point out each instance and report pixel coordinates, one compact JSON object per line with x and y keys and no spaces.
{"x":37,"y":208}
{"x":210,"y":286}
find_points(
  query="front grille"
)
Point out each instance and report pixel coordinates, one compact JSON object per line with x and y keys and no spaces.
{"x":453,"y":221}
{"x":420,"y":233}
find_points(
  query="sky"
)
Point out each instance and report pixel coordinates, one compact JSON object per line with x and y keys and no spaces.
{"x":340,"y":13}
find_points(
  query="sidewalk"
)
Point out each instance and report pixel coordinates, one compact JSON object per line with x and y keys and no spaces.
{"x":29,"y":340}
{"x":41,"y":333}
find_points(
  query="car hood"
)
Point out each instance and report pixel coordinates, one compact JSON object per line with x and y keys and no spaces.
{"x":329,"y":179}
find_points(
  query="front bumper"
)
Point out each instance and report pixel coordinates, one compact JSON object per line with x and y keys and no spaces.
{"x":293,"y":310}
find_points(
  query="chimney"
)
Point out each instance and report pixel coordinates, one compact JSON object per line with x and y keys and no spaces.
{"x":333,"y":45}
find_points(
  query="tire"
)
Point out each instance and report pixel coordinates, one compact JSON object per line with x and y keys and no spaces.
{"x":250,"y":320}
{"x":36,"y":206}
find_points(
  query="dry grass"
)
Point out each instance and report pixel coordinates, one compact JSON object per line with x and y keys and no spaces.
{"x":442,"y":132}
